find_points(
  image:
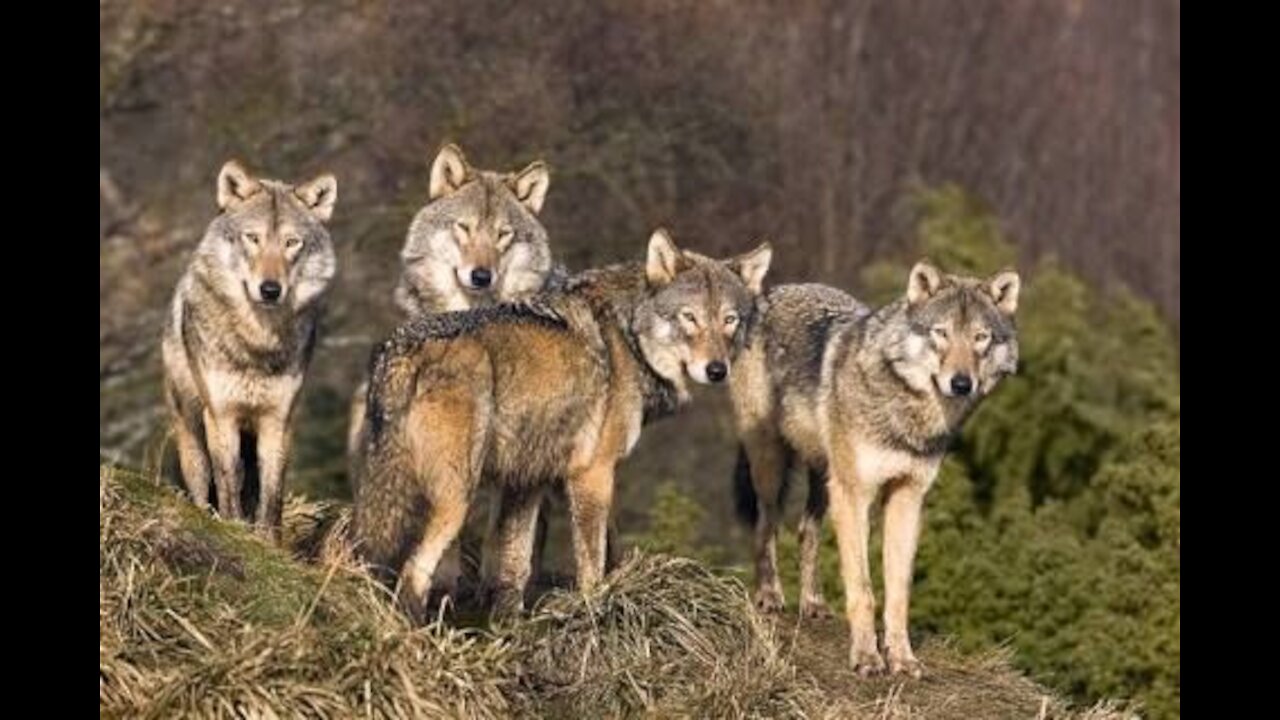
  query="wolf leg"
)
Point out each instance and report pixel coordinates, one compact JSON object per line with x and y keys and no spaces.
{"x":355,"y":435}
{"x":509,"y":547}
{"x":850,"y":514}
{"x":273,"y":456}
{"x":902,"y":510}
{"x":193,"y":458}
{"x":445,"y":433}
{"x":766,"y":457}
{"x":590,"y":499}
{"x":443,"y":525}
{"x":812,"y":604}
{"x":223,"y":438}
{"x":540,"y":538}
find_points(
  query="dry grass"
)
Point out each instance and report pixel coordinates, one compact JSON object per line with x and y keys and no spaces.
{"x":200,"y":619}
{"x":664,"y":636}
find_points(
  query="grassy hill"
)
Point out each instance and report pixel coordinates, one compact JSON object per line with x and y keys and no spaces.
{"x":197,"y":617}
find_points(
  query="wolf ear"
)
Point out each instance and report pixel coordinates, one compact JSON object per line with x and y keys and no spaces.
{"x":753,"y":266}
{"x":1003,"y":289}
{"x":530,"y":185}
{"x":234,"y":185}
{"x":923,"y":283}
{"x":448,"y":172}
{"x":664,"y":258}
{"x":319,"y":195}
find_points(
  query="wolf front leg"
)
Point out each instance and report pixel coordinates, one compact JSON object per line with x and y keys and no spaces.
{"x":590,"y":499}
{"x":222,"y":435}
{"x":273,"y":457}
{"x":193,"y":459}
{"x":851,"y":499}
{"x":903,"y":505}
{"x":767,"y":465}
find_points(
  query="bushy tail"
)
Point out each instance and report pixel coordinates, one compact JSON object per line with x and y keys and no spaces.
{"x":744,"y":493}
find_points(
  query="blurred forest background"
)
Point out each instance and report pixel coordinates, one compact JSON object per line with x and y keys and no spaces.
{"x":856,"y":136}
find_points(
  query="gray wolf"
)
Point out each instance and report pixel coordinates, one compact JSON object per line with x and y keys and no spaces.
{"x":239,"y":337}
{"x":867,"y":403}
{"x":521,"y":395}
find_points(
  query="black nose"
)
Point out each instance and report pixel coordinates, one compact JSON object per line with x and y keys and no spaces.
{"x":961,"y":385}
{"x":270,"y":290}
{"x":481,"y":277}
{"x":717,"y":371}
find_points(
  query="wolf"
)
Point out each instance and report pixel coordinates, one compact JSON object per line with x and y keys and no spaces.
{"x":522,"y":394}
{"x":868,"y":403}
{"x":477,"y":242}
{"x":239,"y":336}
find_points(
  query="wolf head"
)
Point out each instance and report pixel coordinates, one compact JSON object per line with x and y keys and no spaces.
{"x":478,"y":239}
{"x":960,"y":338}
{"x":694,"y":318}
{"x":269,"y":244}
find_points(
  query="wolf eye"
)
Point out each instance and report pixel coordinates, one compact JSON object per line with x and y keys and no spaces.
{"x":251,"y":238}
{"x":688,"y":317}
{"x":939,"y":332}
{"x":463,"y":227}
{"x":505,"y":234}
{"x":293,"y":242}
{"x":730,"y":319}
{"x":982,"y":336}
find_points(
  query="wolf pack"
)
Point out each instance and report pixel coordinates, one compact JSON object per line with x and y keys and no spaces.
{"x":510,"y":374}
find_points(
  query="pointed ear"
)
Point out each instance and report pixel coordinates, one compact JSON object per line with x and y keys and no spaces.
{"x":530,"y":185}
{"x":234,"y":185}
{"x":448,"y":172}
{"x":319,"y":196}
{"x":923,"y":283}
{"x":753,"y":266}
{"x":1003,"y":288}
{"x":664,"y":258}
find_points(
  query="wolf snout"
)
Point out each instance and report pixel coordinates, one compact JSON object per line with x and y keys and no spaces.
{"x":717,"y":371}
{"x":270,"y":290}
{"x":961,"y":385}
{"x":481,"y":277}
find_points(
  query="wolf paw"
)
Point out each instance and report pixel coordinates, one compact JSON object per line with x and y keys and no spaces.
{"x":769,"y":600}
{"x":269,"y":533}
{"x":415,"y":606}
{"x":866,"y":662}
{"x":905,"y":663}
{"x":505,"y":603}
{"x":814,"y":608}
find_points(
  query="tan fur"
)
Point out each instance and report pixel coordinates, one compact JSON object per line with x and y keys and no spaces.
{"x":473,"y":219}
{"x":520,"y":395}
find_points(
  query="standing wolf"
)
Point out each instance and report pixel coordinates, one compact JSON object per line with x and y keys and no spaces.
{"x":866,"y":402}
{"x":477,"y":242}
{"x":522,"y":394}
{"x":240,"y":333}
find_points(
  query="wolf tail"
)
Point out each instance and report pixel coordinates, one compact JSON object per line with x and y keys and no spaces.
{"x":391,"y":388}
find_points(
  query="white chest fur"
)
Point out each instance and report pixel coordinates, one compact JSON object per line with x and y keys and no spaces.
{"x":877,"y":465}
